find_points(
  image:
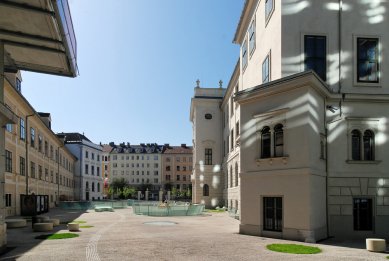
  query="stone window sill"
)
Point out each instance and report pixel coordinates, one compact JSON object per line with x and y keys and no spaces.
{"x":363,"y":161}
{"x":274,"y":160}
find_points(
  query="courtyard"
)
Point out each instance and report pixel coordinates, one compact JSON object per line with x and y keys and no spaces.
{"x":122,"y":235}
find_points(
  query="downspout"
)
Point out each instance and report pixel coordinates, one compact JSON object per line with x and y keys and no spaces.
{"x":326,"y":166}
{"x":26,"y":144}
{"x":340,"y":44}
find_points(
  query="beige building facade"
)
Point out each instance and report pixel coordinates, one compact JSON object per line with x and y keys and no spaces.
{"x":305,"y":122}
{"x":177,"y":163}
{"x":36,"y":160}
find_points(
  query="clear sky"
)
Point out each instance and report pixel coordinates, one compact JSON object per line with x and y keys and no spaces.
{"x":138,"y":62}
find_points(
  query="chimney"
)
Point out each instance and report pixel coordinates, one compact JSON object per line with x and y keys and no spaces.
{"x":183,"y":145}
{"x":46,"y":118}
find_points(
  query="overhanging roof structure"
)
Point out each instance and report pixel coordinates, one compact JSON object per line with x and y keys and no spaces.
{"x":38,"y":36}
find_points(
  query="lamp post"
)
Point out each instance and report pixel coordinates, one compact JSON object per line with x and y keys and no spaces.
{"x":26,"y":143}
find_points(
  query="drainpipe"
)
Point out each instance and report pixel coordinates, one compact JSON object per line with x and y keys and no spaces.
{"x":326,"y":165}
{"x":26,"y":143}
{"x":340,"y":43}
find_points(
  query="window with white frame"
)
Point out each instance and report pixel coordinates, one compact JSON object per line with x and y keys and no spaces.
{"x":367,"y":60}
{"x":269,"y":8}
{"x":244,"y":54}
{"x":252,"y":37}
{"x":266,"y":69}
{"x":272,"y":141}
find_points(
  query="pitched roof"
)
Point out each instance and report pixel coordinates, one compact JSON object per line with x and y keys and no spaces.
{"x":179,"y":150}
{"x":72,"y":137}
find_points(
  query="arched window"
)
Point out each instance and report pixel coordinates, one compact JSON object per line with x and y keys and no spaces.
{"x":278,"y":140}
{"x":236,"y":174}
{"x":231,"y":178}
{"x":265,"y":142}
{"x":205,"y":190}
{"x":98,"y":187}
{"x":356,"y":145}
{"x":368,"y":145}
{"x":93,"y":186}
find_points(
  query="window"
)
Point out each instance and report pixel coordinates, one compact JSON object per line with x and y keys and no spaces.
{"x":8,"y":200}
{"x":8,"y":161}
{"x":156,"y":157}
{"x":183,"y":168}
{"x":367,"y":60}
{"x":266,"y":70}
{"x":244,"y":54}
{"x":231,"y":178}
{"x":22,"y":166}
{"x":362,"y":146}
{"x":232,"y":139}
{"x":155,"y":172}
{"x":363,"y":214}
{"x":205,"y":190}
{"x":168,"y":177}
{"x":98,"y":171}
{"x":265,"y":142}
{"x":46,"y":148}
{"x":269,"y":7}
{"x":315,"y":52}
{"x":178,"y":159}
{"x":278,"y":141}
{"x":272,"y":213}
{"x":368,"y":145}
{"x":236,"y":174}
{"x":252,"y":37}
{"x":155,"y":165}
{"x":93,"y":187}
{"x":208,"y":156}
{"x":8,"y":127}
{"x":356,"y":145}
{"x":208,"y":116}
{"x":86,"y":169}
{"x":32,"y":137}
{"x":178,"y":177}
{"x":178,"y":168}
{"x":39,"y":143}
{"x":22,"y":129}
{"x":167,"y":168}
{"x":167,"y":159}
{"x":237,"y":129}
{"x":93,"y":156}
{"x":86,"y":154}
{"x":40,"y":172}
{"x":18,"y":85}
{"x":93,"y":170}
{"x":98,"y":187}
{"x":184,"y":177}
{"x":98,"y":157}
{"x":32,"y":170}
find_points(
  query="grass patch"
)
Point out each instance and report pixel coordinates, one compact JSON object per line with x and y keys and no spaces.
{"x":293,"y":249}
{"x":78,"y":221}
{"x":387,"y":257}
{"x":57,"y":236}
{"x":86,"y":226}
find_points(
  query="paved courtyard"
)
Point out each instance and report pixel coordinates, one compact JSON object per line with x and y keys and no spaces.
{"x":121,"y":235}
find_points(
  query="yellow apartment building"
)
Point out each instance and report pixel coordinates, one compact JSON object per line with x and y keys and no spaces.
{"x":36,"y":161}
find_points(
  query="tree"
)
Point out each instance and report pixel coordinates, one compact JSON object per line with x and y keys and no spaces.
{"x":128,"y":191}
{"x":118,"y":183}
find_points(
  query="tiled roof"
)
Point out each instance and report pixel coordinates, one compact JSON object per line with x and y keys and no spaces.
{"x":142,"y":148}
{"x":72,"y":137}
{"x":179,"y":150}
{"x":107,"y":148}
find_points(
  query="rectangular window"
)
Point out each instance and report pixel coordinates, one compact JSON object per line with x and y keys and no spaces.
{"x":178,"y":177}
{"x":266,"y":70}
{"x":244,"y":54}
{"x":8,"y":127}
{"x":156,"y":157}
{"x":86,"y":169}
{"x":46,"y":149}
{"x":8,"y":161}
{"x":367,"y":60}
{"x":269,"y":6}
{"x":168,"y":177}
{"x":32,"y":170}
{"x":22,"y":129}
{"x":315,"y":52}
{"x":93,"y":170}
{"x":22,"y":166}
{"x":363,"y":214}
{"x":232,"y":139}
{"x":93,"y":156}
{"x":98,"y":171}
{"x":208,"y":157}
{"x":272,"y":213}
{"x":86,"y":154}
{"x":8,"y":200}
{"x":40,"y":172}
{"x":32,"y":137}
{"x":39,"y":143}
{"x":252,"y":37}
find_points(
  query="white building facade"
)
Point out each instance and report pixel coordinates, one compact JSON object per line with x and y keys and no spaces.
{"x":88,"y":173}
{"x":305,"y":129}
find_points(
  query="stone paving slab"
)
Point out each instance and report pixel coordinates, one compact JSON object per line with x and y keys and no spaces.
{"x":121,"y":235}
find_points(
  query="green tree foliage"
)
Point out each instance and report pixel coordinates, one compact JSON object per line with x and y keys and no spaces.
{"x":120,"y":189}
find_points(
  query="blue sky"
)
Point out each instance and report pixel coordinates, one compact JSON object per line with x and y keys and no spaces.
{"x":138,"y":63}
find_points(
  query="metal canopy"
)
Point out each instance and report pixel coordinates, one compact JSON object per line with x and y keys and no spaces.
{"x":38,"y":36}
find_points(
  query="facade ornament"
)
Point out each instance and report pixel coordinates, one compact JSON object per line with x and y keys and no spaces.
{"x":198,"y":83}
{"x":220,"y":84}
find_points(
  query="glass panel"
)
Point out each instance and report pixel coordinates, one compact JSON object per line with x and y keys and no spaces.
{"x":356,"y":145}
{"x":367,"y":59}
